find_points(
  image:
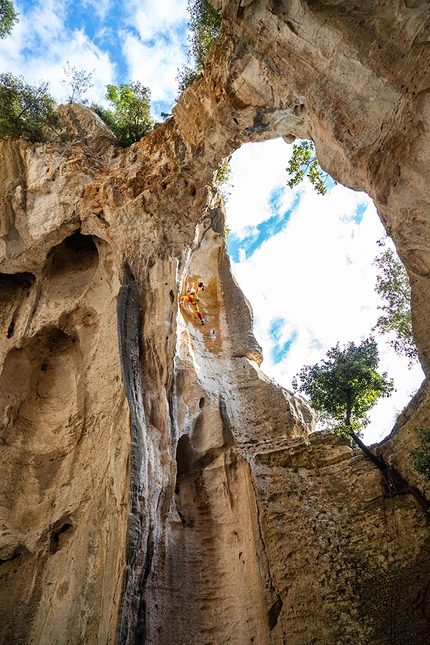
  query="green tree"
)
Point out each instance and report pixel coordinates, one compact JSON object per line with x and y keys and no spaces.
{"x":8,"y":18}
{"x":342,"y":388}
{"x":204,"y":27}
{"x":77,"y":83}
{"x":392,"y":284}
{"x":304,"y":163}
{"x":25,"y":110}
{"x":130,"y":118}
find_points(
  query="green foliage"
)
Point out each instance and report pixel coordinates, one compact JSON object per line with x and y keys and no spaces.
{"x":204,"y":26}
{"x":304,"y":163}
{"x":421,"y":454}
{"x":343,"y":387}
{"x":77,"y":83}
{"x":130,"y":118}
{"x":8,"y":18}
{"x":186,"y":75}
{"x":392,"y":284}
{"x":223,"y":174}
{"x":24,"y":110}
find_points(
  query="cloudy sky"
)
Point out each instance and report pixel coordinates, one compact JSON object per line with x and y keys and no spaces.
{"x":304,"y":261}
{"x":120,"y":41}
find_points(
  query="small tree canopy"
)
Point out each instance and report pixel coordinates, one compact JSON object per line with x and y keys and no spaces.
{"x":130,"y":120}
{"x":343,"y":387}
{"x":24,"y":110}
{"x":392,"y":284}
{"x":304,"y":163}
{"x":77,"y":83}
{"x":8,"y":18}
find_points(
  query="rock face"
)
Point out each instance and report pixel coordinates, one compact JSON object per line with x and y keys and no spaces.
{"x":156,"y":487}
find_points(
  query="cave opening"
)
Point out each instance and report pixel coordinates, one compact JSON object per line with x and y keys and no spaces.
{"x":306,"y":264}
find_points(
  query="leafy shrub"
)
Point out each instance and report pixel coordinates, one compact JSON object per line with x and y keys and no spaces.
{"x":130,"y":118}
{"x":24,"y":110}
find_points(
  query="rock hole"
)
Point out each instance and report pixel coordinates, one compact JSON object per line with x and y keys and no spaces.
{"x":274,"y":612}
{"x":172,"y":296}
{"x":193,"y":191}
{"x":14,"y":289}
{"x":184,"y":457}
{"x":70,"y":266}
{"x":202,"y":402}
{"x":59,"y":537}
{"x":292,"y":27}
{"x":76,"y":253}
{"x":11,"y":329}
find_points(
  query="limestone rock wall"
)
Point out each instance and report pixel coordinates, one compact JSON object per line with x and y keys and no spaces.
{"x":157,"y":488}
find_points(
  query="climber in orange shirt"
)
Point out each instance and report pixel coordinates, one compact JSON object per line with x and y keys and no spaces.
{"x":193,"y":299}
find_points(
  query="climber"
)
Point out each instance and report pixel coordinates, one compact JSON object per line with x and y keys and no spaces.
{"x":193,"y":300}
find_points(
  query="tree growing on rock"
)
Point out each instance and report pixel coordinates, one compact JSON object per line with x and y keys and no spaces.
{"x":342,"y":388}
{"x":130,"y":119}
{"x":25,"y":110}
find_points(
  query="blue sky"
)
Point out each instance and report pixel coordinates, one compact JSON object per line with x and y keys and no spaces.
{"x":242,"y":247}
{"x":304,"y":261}
{"x":139,"y":41}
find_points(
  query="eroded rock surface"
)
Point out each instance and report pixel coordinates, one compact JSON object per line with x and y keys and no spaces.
{"x":157,"y":488}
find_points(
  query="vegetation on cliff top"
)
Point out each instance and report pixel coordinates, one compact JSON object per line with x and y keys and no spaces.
{"x":204,"y":27}
{"x":25,"y":110}
{"x":130,"y":116}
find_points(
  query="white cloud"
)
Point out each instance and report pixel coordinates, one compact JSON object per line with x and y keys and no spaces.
{"x":154,"y":48}
{"x":257,"y":169}
{"x":155,"y":65}
{"x":153,"y":37}
{"x":316,"y":274}
{"x":40,"y":45}
{"x":158,"y":19}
